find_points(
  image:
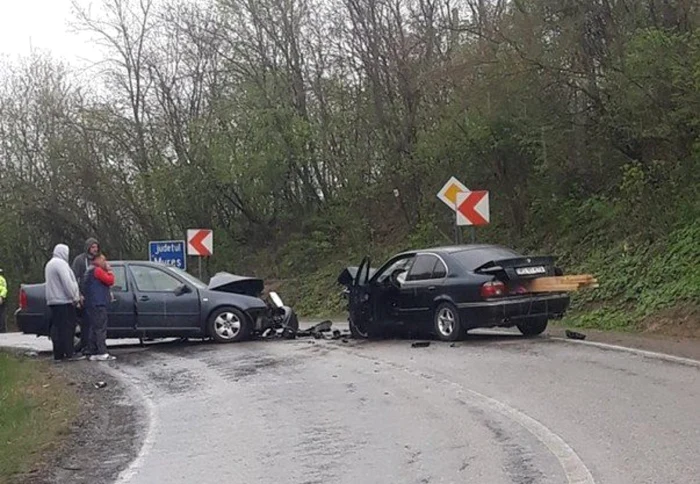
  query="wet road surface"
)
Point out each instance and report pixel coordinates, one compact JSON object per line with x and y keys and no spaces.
{"x":493,"y":409}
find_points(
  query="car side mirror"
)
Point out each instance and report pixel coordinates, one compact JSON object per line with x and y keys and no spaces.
{"x":182,"y":289}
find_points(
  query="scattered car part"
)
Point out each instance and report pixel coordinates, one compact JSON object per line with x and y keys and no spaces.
{"x":420,"y":344}
{"x":574,"y":335}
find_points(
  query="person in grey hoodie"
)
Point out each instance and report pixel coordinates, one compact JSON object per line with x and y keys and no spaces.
{"x":62,"y":297}
{"x":81,"y":264}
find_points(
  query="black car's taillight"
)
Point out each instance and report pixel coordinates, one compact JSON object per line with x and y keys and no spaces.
{"x":23,"y":303}
{"x":493,"y":289}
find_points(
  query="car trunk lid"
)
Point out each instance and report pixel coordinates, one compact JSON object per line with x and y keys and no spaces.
{"x":514,"y":272}
{"x":518,"y":268}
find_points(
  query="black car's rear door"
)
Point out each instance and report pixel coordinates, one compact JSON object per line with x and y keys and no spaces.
{"x":422,"y":286}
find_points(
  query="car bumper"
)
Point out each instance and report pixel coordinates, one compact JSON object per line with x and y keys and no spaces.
{"x":509,"y":311}
{"x":32,"y":323}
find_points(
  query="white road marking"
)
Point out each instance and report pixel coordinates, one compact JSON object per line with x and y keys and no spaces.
{"x":575,"y":470}
{"x":132,"y":470}
{"x":635,"y":351}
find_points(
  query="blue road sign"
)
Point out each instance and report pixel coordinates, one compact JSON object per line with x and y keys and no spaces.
{"x":168,"y":252}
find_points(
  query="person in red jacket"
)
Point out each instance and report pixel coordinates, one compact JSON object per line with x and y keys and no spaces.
{"x":97,"y":282}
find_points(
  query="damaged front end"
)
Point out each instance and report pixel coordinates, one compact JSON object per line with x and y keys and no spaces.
{"x":276,"y":318}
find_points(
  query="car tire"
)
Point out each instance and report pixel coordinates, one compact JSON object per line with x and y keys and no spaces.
{"x":370,"y":333}
{"x":228,"y":325}
{"x":446,"y":323}
{"x":533,"y":326}
{"x":356,"y":332}
{"x":77,"y":340}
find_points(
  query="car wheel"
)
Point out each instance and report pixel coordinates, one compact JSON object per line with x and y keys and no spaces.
{"x":446,"y":322}
{"x":228,"y":325}
{"x":365,"y":333}
{"x":533,"y":326}
{"x":357,"y":332}
{"x":77,"y":347}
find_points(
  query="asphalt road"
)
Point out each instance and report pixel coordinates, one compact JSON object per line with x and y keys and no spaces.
{"x":493,"y":409}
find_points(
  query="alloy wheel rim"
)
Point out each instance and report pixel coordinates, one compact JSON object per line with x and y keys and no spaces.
{"x":446,"y":321}
{"x":227,"y":325}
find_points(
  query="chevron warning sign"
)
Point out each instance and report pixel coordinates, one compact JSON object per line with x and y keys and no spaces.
{"x":473,"y":208}
{"x":200,"y":242}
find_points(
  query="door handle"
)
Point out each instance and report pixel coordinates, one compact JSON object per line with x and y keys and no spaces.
{"x":432,"y":288}
{"x":144,"y":298}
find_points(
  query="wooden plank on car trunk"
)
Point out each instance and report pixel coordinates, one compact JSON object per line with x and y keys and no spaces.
{"x":561,"y":283}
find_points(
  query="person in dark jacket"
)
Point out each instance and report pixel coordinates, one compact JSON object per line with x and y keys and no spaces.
{"x":97,"y":282}
{"x":81,"y":264}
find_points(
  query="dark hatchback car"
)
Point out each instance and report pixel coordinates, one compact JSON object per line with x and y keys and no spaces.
{"x":151,"y":300}
{"x":450,"y":290}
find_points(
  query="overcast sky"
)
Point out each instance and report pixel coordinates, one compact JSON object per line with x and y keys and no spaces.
{"x":43,"y":24}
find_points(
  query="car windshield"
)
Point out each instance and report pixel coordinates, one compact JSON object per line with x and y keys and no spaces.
{"x":471,"y":259}
{"x":189,"y":278}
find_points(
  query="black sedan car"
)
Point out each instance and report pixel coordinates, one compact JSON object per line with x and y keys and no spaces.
{"x":151,"y":300}
{"x":450,"y":290}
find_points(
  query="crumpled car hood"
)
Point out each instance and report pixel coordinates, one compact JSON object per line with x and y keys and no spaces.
{"x":227,"y":282}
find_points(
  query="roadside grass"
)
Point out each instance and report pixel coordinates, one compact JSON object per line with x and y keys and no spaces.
{"x":36,"y":410}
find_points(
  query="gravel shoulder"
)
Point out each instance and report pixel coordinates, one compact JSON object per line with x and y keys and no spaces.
{"x":103,"y":439}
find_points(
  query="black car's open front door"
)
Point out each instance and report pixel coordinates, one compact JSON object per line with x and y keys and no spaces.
{"x":356,"y":280}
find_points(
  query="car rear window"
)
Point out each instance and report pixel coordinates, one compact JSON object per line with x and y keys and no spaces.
{"x":471,"y":259}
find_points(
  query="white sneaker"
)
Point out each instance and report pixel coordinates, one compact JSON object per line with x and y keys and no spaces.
{"x":105,"y":357}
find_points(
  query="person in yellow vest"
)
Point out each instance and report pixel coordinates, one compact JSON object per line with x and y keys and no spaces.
{"x":3,"y":301}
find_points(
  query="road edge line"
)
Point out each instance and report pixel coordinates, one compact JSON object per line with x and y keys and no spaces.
{"x":128,"y":473}
{"x":626,"y":349}
{"x":575,"y":470}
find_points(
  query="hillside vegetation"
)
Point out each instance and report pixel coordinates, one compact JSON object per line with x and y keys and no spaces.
{"x":289,"y":126}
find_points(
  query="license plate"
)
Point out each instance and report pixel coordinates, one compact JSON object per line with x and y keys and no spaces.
{"x":530,"y":271}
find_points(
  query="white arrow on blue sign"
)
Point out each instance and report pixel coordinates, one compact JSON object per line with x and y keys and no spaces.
{"x":168,"y":252}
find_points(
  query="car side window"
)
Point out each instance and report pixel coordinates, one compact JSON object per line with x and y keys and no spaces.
{"x":422,"y":268}
{"x":152,"y":279}
{"x":120,"y":284}
{"x":399,"y":264}
{"x":439,"y":269}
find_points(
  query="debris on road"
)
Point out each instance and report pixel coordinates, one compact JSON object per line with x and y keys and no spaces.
{"x":99,"y":384}
{"x":420,"y":344}
{"x":574,"y":335}
{"x":322,"y":327}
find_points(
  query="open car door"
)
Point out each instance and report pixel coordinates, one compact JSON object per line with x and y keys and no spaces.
{"x":356,"y":280}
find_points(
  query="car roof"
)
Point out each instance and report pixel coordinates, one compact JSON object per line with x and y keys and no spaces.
{"x":139,"y":262}
{"x":451,"y":249}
